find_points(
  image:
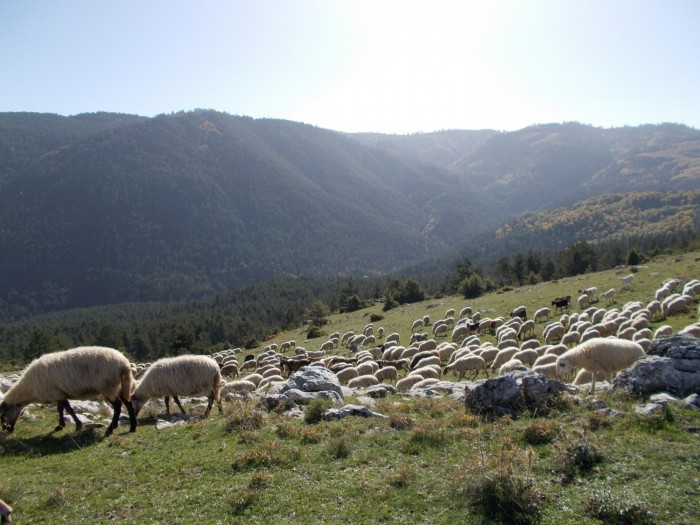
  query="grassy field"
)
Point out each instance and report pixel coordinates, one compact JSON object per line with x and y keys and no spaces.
{"x":429,"y":462}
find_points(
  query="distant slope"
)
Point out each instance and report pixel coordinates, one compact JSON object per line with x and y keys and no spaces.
{"x":189,"y":204}
{"x":105,"y":208}
{"x":542,"y":167}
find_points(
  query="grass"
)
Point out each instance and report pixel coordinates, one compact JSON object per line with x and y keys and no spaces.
{"x":429,"y":462}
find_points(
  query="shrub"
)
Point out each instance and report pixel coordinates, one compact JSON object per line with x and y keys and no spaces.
{"x":243,"y":417}
{"x":614,"y":510}
{"x":375,"y":318}
{"x":540,"y":432}
{"x":314,"y":332}
{"x":313,"y":413}
{"x":338,"y":448}
{"x":577,"y":457}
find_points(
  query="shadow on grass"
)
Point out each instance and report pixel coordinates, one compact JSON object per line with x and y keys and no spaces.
{"x":59,"y":442}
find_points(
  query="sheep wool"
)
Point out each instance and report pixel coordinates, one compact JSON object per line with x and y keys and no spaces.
{"x":182,"y":375}
{"x":79,"y":373}
{"x":606,"y":355}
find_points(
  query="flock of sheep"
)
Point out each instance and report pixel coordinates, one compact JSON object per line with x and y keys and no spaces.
{"x":596,"y":342}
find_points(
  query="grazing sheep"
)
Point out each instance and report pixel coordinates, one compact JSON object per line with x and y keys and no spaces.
{"x":591,"y":292}
{"x":79,"y":373}
{"x":465,"y":363}
{"x":571,"y":338}
{"x":583,"y":301}
{"x":239,"y":386}
{"x":520,"y":311}
{"x":606,"y":355}
{"x":387,"y":372}
{"x":542,"y":314}
{"x":626,"y":282}
{"x":555,"y":333}
{"x":511,"y":366}
{"x":525,"y":328}
{"x":182,"y":375}
{"x":548,"y":370}
{"x":417,"y":325}
{"x":526,"y":357}
{"x":504,"y":356}
{"x":545,"y":359}
{"x":229,"y":369}
{"x":663,"y":331}
{"x":346,"y":374}
{"x":405,"y":384}
{"x":363,"y":381}
{"x":367,"y":367}
{"x":584,"y":377}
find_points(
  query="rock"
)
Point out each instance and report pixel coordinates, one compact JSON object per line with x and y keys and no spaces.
{"x":649,"y":409}
{"x":376,"y":391}
{"x":692,"y":402}
{"x":277,"y":402}
{"x":5,"y":384}
{"x":313,"y":379}
{"x":662,"y":398}
{"x":162,"y":423}
{"x":593,"y":403}
{"x":350,"y":410}
{"x":610,"y":412}
{"x":510,"y":393}
{"x":672,"y":365}
{"x":302,"y":398}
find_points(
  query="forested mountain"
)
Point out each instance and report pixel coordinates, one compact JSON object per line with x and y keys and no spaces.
{"x":105,"y":208}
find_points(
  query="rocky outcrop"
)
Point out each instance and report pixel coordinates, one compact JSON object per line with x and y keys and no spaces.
{"x":672,"y":365}
{"x":511,"y":393}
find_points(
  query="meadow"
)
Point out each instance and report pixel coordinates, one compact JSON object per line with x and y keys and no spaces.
{"x":429,"y":461}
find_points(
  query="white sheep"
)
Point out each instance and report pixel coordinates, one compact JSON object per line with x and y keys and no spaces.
{"x":511,"y":366}
{"x":387,"y":373}
{"x":405,"y":384}
{"x":239,"y":386}
{"x":363,"y":381}
{"x":182,"y":375}
{"x":79,"y":373}
{"x":626,"y":282}
{"x":466,"y":363}
{"x":548,"y":370}
{"x":606,"y":355}
{"x":609,"y":295}
{"x":542,"y":314}
{"x":583,"y":301}
{"x":346,"y":374}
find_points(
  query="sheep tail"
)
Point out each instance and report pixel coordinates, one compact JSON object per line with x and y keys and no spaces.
{"x":128,"y":384}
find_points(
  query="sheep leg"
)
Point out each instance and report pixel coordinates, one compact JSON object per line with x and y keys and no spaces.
{"x":177,"y":402}
{"x":593,"y":374}
{"x":167,"y":406}
{"x":132,"y":415}
{"x":117,"y":408}
{"x":64,"y":404}
{"x":210,"y":399}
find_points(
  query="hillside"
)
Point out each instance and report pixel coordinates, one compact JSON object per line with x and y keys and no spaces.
{"x":102,"y":209}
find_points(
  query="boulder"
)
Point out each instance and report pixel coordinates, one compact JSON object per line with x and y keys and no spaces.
{"x":672,"y":365}
{"x":302,"y":398}
{"x":511,"y":393}
{"x":277,"y":402}
{"x":350,"y":410}
{"x":376,"y":391}
{"x":313,"y":379}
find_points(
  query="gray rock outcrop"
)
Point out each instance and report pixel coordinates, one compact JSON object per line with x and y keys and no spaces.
{"x":672,"y":365}
{"x":511,"y":393}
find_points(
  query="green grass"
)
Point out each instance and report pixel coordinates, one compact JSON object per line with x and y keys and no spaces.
{"x":447,"y":466}
{"x":429,"y":462}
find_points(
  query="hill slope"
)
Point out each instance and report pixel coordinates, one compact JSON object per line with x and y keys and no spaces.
{"x":104,"y":208}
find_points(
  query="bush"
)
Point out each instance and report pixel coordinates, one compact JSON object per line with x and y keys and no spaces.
{"x":314,"y":332}
{"x":375,"y":318}
{"x":243,"y":417}
{"x":613,"y":510}
{"x":540,"y":433}
{"x":578,"y":457}
{"x":313,"y":413}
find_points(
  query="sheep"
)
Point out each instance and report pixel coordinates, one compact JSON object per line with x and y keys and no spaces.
{"x":239,"y":386}
{"x":542,"y":314}
{"x":526,"y":357}
{"x":584,"y":377}
{"x":520,"y":311}
{"x":511,"y":366}
{"x":469,"y":362}
{"x":626,"y":283}
{"x":417,"y":325}
{"x":5,"y":512}
{"x":675,"y":306}
{"x":556,"y":332}
{"x":571,"y":338}
{"x":79,"y":373}
{"x":525,"y":328}
{"x":424,"y":383}
{"x":367,"y":367}
{"x":346,"y":374}
{"x":583,"y":301}
{"x":609,"y":295}
{"x":606,"y":355}
{"x":591,"y":292}
{"x":426,"y":372}
{"x":548,"y":370}
{"x":253,"y":378}
{"x":663,"y":331}
{"x":230,"y":369}
{"x":399,"y":364}
{"x":268,"y":381}
{"x":185,"y":375}
{"x":531,"y":344}
{"x":545,"y":359}
{"x":405,"y":384}
{"x":387,"y":372}
{"x":363,"y":381}
{"x":504,"y":356}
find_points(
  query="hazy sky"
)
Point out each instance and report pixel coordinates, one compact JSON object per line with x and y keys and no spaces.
{"x":359,"y":65}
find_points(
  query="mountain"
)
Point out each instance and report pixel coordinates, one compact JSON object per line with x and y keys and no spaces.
{"x":189,"y":204}
{"x":107,"y":208}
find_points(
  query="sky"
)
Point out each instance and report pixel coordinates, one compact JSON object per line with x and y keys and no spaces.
{"x":359,"y":65}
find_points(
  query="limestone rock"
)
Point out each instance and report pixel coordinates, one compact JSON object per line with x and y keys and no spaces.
{"x":350,"y":410}
{"x":672,"y":365}
{"x":313,"y":379}
{"x":510,"y":393}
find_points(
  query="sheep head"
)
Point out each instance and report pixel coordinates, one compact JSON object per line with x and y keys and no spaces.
{"x":9,"y":414}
